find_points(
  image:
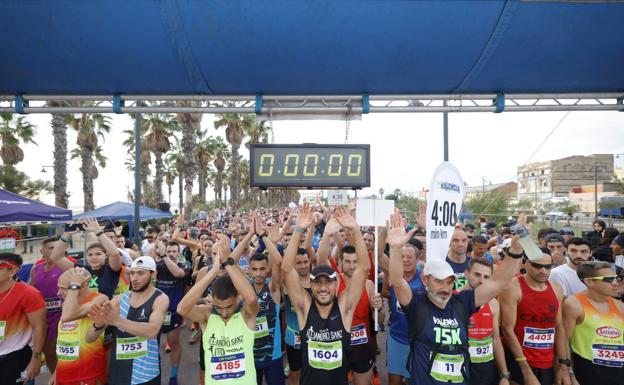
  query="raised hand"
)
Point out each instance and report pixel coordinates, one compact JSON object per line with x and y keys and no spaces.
{"x":332,"y":226}
{"x":345,"y":219}
{"x":397,"y":237}
{"x":304,"y":217}
{"x":273,"y":233}
{"x":91,"y":225}
{"x":224,"y":251}
{"x":260,"y":224}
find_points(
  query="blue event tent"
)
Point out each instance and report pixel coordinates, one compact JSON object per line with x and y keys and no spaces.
{"x":16,"y":208}
{"x":123,"y":211}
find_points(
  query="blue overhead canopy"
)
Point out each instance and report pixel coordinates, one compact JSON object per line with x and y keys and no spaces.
{"x":123,"y":211}
{"x":331,"y":47}
{"x":16,"y":208}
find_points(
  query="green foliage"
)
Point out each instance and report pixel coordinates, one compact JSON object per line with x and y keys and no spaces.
{"x":19,"y":183}
{"x":495,"y":206}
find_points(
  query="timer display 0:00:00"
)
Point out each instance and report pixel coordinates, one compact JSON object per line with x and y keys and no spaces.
{"x":310,"y":165}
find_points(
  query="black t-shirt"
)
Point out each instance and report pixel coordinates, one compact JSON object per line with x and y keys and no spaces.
{"x":170,"y":285}
{"x":104,"y":280}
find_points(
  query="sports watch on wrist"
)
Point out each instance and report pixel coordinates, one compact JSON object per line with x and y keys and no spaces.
{"x":565,"y":361}
{"x":229,"y":261}
{"x":74,"y":286}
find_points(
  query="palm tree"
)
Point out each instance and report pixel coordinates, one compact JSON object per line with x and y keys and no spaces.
{"x":257,"y":132}
{"x":12,"y":131}
{"x":190,"y":123}
{"x":203,"y":154}
{"x":170,"y":174}
{"x":221,"y":152}
{"x":59,"y":132}
{"x":159,"y":128}
{"x":89,"y":127}
{"x":175,"y":158}
{"x":146,"y":160}
{"x":234,"y":133}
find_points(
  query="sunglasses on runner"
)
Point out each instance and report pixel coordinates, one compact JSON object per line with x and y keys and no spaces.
{"x":608,"y":278}
{"x":538,"y":266}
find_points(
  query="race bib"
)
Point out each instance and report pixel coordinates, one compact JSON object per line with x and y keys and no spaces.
{"x":358,"y":335}
{"x":68,"y":350}
{"x":325,"y":355}
{"x":131,"y":348}
{"x":230,"y":366}
{"x":262,"y":327}
{"x":167,"y":320}
{"x":539,"y":338}
{"x":447,"y":368}
{"x":2,"y":327}
{"x":608,"y":355}
{"x":54,"y":304}
{"x":481,"y":350}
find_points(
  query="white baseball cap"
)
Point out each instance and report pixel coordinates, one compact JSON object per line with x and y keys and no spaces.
{"x":145,"y":263}
{"x":439,"y":269}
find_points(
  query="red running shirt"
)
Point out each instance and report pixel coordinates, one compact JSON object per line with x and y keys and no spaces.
{"x":360,"y":326}
{"x":15,"y":303}
{"x":535,"y":324}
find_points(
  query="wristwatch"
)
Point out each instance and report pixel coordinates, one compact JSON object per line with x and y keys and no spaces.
{"x":74,"y":286}
{"x":514,"y":256}
{"x":99,"y":233}
{"x":506,"y":376}
{"x":229,"y":261}
{"x":565,"y":361}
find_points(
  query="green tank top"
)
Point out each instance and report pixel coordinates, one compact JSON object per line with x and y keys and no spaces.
{"x":229,"y":351}
{"x":600,"y":337}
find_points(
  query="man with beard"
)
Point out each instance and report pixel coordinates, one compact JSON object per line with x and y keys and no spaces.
{"x":595,"y":323}
{"x":228,"y":326}
{"x":556,"y":244}
{"x":324,"y":318}
{"x":437,"y":318}
{"x":172,"y":273}
{"x":138,"y":316}
{"x":579,"y":251}
{"x":532,"y":326}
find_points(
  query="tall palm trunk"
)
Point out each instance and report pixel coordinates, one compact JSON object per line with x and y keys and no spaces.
{"x":180,"y":191}
{"x":59,"y":131}
{"x":235,"y":179}
{"x":190,"y":123}
{"x":158,"y":179}
{"x":86,"y":168}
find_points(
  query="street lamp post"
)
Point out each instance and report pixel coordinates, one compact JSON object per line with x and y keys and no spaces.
{"x":381,"y":192}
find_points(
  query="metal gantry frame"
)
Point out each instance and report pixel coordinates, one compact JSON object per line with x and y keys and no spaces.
{"x":278,"y":107}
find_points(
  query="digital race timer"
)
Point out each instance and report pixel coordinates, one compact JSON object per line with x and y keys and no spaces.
{"x":310,"y":165}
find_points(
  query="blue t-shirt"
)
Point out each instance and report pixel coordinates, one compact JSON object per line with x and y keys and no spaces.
{"x":398,"y":319}
{"x":459,"y":269}
{"x":446,"y":329}
{"x":268,"y":335}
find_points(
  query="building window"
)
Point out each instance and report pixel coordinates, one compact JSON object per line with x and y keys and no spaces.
{"x":542,"y":172}
{"x":545,"y":183}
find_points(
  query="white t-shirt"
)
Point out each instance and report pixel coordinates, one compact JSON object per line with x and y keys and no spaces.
{"x":565,"y":276}
{"x":146,"y":246}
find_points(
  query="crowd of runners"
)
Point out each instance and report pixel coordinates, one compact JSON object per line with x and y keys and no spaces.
{"x":288,"y":296}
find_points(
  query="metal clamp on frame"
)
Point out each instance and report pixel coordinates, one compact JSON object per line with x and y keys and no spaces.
{"x":20,"y":103}
{"x":365,"y":103}
{"x":118,"y":103}
{"x":499,"y":102}
{"x":259,"y":103}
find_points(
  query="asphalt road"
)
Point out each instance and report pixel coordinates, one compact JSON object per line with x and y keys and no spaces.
{"x":188,"y":372}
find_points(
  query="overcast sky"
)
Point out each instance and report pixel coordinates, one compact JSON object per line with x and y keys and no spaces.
{"x":405,"y":148}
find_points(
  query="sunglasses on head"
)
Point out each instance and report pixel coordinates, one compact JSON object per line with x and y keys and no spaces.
{"x":538,"y":266}
{"x":608,"y":278}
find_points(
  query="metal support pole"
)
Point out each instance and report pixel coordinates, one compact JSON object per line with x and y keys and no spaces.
{"x":595,"y":189}
{"x":137,"y":179}
{"x":445,"y":124}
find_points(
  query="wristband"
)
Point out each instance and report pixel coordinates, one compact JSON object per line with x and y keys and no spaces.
{"x":99,"y":233}
{"x":98,"y":328}
{"x":520,"y":359}
{"x":506,"y":376}
{"x":300,"y":229}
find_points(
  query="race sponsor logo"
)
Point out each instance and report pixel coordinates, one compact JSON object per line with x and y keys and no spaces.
{"x":69,"y":326}
{"x":609,"y":332}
